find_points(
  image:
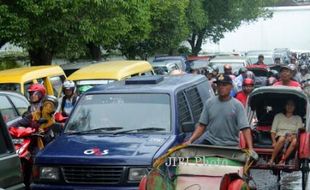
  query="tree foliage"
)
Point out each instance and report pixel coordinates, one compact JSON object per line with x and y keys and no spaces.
{"x":220,"y":16}
{"x":76,"y":28}
{"x":163,"y":30}
{"x":48,"y":27}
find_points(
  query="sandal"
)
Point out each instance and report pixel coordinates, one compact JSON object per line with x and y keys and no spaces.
{"x":282,"y":162}
{"x":270,"y":164}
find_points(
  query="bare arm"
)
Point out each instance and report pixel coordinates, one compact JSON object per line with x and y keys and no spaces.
{"x":197,"y":133}
{"x":248,"y":137}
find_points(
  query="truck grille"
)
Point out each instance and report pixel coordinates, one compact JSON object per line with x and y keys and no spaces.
{"x":92,"y":174}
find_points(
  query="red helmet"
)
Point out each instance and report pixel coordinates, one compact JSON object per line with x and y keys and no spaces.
{"x":248,"y":81}
{"x":37,"y":88}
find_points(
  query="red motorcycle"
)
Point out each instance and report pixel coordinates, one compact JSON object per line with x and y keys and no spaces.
{"x":25,"y":140}
{"x":28,"y":141}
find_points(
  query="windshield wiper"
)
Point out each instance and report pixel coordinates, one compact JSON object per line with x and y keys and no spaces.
{"x":96,"y":129}
{"x":141,"y":129}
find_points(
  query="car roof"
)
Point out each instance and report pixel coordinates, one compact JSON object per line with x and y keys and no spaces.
{"x":158,"y":58}
{"x":28,"y":73}
{"x":169,"y":84}
{"x":164,"y":63}
{"x":228,"y":59}
{"x":112,"y":70}
{"x":11,"y":93}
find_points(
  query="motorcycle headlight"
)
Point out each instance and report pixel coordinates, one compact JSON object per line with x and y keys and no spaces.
{"x":136,"y":174}
{"x":49,"y":173}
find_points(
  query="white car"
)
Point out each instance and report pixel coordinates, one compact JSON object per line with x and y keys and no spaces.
{"x":236,"y":63}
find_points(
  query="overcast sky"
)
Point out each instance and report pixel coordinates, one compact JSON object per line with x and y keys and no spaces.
{"x":289,"y":28}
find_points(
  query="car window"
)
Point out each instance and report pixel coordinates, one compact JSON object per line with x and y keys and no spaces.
{"x":149,"y":73}
{"x":125,"y":111}
{"x":183,"y":109}
{"x":10,"y":87}
{"x":56,"y":83}
{"x":195,"y":102}
{"x":7,"y":110}
{"x":20,"y":104}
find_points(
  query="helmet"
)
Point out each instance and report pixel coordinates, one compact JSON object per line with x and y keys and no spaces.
{"x":215,"y":68}
{"x":37,"y":88}
{"x":52,"y":99}
{"x":242,"y":70}
{"x":248,"y":81}
{"x":250,"y":74}
{"x":303,"y":68}
{"x":292,"y":67}
{"x":69,"y":85}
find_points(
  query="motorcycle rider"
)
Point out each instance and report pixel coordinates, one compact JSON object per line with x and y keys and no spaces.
{"x":42,"y":120}
{"x":67,"y":102}
{"x":247,"y":88}
{"x":286,"y":74}
{"x":296,"y":76}
{"x":36,"y":94}
{"x":240,"y":78}
{"x":260,"y":61}
{"x":304,"y":73}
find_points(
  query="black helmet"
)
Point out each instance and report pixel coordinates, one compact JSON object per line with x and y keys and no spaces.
{"x":242,"y":70}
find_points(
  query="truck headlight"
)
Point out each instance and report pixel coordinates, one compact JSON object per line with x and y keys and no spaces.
{"x":49,"y":173}
{"x":136,"y":174}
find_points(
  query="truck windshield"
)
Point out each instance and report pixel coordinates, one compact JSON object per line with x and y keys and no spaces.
{"x":121,"y":112}
{"x":10,"y":87}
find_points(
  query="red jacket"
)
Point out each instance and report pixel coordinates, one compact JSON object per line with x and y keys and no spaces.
{"x":242,"y":97}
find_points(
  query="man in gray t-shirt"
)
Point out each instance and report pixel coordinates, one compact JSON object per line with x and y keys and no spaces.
{"x":222,"y":118}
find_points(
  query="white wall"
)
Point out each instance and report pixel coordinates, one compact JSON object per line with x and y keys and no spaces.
{"x":288,"y":28}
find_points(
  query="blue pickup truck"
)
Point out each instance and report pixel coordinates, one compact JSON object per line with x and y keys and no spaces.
{"x":117,"y":130}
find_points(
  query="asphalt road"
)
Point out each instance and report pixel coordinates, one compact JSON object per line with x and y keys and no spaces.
{"x":265,"y":180}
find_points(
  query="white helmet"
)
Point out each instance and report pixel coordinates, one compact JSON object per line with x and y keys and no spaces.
{"x":69,"y":85}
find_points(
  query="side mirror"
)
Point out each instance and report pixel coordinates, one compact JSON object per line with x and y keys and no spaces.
{"x":188,"y":127}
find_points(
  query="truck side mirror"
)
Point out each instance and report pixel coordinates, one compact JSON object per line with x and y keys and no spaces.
{"x":188,"y":127}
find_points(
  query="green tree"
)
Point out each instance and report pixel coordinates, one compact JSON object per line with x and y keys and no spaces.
{"x":48,"y":27}
{"x":169,"y":25}
{"x":210,"y":19}
{"x":159,"y":28}
{"x":138,"y":16}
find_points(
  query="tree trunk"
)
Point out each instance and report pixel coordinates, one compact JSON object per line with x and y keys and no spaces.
{"x":196,"y":42}
{"x":40,"y":56}
{"x":94,"y":51}
{"x":2,"y":42}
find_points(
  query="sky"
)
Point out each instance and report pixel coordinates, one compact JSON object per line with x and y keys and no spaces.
{"x":288,"y":28}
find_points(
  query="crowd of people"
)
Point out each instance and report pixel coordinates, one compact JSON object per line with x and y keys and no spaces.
{"x":223,"y":116}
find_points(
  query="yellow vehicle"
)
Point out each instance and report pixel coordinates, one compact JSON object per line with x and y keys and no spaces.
{"x":107,"y":72}
{"x":20,"y":79}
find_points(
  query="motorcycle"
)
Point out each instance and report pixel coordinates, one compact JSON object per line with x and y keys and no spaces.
{"x":28,"y":141}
